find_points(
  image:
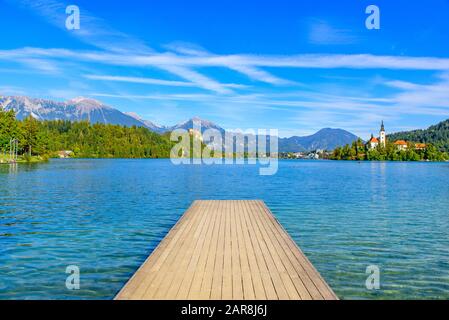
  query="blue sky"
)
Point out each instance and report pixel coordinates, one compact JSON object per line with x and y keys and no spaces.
{"x":296,"y":66}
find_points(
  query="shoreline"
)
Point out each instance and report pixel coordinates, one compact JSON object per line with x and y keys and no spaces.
{"x":280,"y":159}
{"x":40,"y":159}
{"x":34,"y":159}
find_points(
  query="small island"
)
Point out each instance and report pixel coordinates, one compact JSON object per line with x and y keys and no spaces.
{"x":384,"y":148}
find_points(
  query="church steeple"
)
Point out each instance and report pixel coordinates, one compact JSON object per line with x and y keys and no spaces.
{"x":382,"y":135}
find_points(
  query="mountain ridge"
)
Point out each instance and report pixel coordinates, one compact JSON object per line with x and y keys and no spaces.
{"x":324,"y":139}
{"x":77,"y":109}
{"x":94,"y":111}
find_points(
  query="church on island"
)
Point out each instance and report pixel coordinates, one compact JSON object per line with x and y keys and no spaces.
{"x":374,"y":142}
{"x":401,"y":145}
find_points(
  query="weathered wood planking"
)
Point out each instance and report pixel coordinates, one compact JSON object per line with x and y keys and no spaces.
{"x":227,"y":250}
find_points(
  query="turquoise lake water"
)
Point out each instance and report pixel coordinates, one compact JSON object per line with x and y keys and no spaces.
{"x":106,"y":216}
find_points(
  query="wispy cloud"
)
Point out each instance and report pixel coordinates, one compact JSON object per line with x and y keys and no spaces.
{"x":250,"y":71}
{"x":260,"y":75}
{"x":153,"y":81}
{"x":94,"y":30}
{"x":98,"y":33}
{"x":323,"y":33}
{"x":142,"y":80}
{"x":42,"y":65}
{"x":316,"y":109}
{"x":310,"y":61}
{"x":198,"y":78}
{"x":429,"y":96}
{"x":11,"y":90}
{"x":412,"y":98}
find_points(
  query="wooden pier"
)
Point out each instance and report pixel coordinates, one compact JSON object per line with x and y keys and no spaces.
{"x":227,"y":250}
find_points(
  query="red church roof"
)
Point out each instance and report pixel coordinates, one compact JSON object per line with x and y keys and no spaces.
{"x":374,"y":140}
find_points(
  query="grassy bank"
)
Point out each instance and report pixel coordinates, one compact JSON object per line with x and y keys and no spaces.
{"x":23,"y":159}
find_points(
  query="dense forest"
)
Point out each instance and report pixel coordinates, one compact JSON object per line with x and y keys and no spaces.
{"x":46,"y":138}
{"x":359,"y":151}
{"x":438,"y":135}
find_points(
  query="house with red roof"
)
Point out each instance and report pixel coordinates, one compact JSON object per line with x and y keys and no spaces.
{"x":401,"y":145}
{"x":420,"y":146}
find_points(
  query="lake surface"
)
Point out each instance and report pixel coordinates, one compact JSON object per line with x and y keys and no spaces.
{"x":106,"y":216}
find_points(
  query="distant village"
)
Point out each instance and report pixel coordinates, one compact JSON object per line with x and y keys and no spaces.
{"x":306,"y":155}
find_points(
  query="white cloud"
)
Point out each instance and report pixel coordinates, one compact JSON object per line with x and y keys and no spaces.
{"x":251,"y":72}
{"x":94,"y":31}
{"x":322,"y":33}
{"x":259,"y":75}
{"x":11,"y":91}
{"x":431,"y":97}
{"x":42,"y":65}
{"x":309,"y":61}
{"x":201,"y":80}
{"x":139,"y":80}
{"x":153,"y":81}
{"x":97,"y":33}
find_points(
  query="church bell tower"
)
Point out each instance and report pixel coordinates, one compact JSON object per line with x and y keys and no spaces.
{"x":382,"y":135}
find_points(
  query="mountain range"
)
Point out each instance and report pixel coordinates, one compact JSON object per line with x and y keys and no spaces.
{"x":81,"y":108}
{"x":77,"y":109}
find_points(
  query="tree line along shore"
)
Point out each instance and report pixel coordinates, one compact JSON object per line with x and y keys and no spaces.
{"x":40,"y":140}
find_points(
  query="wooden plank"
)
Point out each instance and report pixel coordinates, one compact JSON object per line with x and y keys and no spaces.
{"x":296,"y":288}
{"x":275,"y":275}
{"x":237,"y":279}
{"x":244,"y":246}
{"x":312,"y":274}
{"x":217,"y":274}
{"x":163,"y":272}
{"x":197,"y":282}
{"x":262,"y":266}
{"x":191,"y":254}
{"x":196,"y":262}
{"x":227,"y":250}
{"x":206,"y":284}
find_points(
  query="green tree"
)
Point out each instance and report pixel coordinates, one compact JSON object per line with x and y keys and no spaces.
{"x":29,"y":134}
{"x":9,"y":129}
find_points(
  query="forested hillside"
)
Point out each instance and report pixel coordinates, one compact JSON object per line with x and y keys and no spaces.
{"x":438,"y":135}
{"x":84,"y":139}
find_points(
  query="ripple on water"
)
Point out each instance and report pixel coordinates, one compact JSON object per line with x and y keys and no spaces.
{"x":106,"y":216}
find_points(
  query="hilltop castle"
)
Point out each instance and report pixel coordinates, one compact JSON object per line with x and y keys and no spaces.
{"x":382,"y":140}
